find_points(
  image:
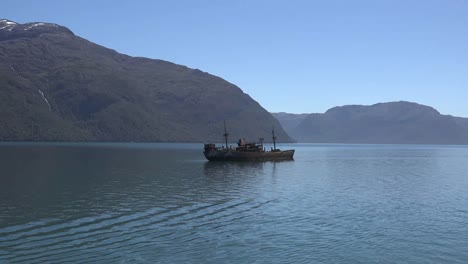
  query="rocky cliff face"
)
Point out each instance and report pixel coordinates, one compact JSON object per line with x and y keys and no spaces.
{"x":56,"y":86}
{"x":395,"y":123}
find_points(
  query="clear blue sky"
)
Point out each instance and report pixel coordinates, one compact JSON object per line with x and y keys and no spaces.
{"x":292,"y":56}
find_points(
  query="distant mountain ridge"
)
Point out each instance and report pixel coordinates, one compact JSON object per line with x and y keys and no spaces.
{"x":56,"y":86}
{"x":387,"y":123}
{"x":289,"y":121}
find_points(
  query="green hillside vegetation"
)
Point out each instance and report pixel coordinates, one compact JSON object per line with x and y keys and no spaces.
{"x":92,"y":93}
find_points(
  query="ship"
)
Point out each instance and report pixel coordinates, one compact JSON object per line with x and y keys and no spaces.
{"x":246,"y":151}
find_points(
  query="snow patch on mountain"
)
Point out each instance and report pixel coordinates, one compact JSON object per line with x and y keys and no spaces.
{"x":34,"y":25}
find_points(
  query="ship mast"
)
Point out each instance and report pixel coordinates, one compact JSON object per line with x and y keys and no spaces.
{"x":274,"y":138}
{"x":225,"y":134}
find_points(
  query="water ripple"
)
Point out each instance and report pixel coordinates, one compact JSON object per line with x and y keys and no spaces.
{"x":337,"y":204}
{"x":104,"y":232}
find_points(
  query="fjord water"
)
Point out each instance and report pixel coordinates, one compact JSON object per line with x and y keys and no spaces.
{"x":163,"y":203}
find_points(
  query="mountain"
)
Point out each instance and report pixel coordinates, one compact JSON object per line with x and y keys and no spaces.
{"x":289,"y":121}
{"x":56,"y":86}
{"x":393,"y":123}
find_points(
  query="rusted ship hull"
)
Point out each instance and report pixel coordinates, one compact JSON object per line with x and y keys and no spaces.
{"x":246,"y":151}
{"x":235,"y":155}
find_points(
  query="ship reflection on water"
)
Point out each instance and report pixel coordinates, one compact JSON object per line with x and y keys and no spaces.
{"x":223,"y":169}
{"x":241,"y":172}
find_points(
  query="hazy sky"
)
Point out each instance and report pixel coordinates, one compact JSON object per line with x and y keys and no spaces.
{"x":292,"y":56}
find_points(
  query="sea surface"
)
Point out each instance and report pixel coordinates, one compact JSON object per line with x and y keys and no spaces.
{"x":164,"y":203}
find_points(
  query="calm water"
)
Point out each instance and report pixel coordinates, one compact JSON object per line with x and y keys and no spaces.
{"x":163,"y":203}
